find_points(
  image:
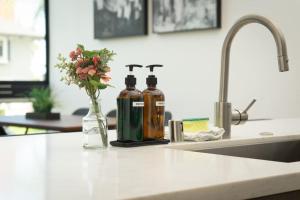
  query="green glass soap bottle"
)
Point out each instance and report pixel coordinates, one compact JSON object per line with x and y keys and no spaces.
{"x":154,"y":108}
{"x":130,"y":110}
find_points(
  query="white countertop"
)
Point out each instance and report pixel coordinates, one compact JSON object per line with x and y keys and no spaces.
{"x":56,"y":167}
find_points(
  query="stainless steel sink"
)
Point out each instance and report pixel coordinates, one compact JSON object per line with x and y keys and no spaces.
{"x":287,"y":151}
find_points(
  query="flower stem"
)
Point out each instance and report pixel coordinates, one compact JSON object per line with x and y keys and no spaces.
{"x":101,"y":125}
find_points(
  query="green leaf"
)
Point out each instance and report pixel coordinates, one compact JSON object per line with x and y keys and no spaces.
{"x":98,"y":84}
{"x":108,"y":85}
{"x":94,"y":83}
{"x":80,"y":46}
{"x":102,"y":86}
{"x":89,"y":54}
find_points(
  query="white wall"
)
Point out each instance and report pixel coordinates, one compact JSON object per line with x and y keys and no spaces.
{"x":190,"y":79}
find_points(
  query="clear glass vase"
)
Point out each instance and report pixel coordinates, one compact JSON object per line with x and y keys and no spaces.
{"x":94,"y":127}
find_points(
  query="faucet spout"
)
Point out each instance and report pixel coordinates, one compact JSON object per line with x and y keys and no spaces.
{"x":223,"y":112}
{"x":280,"y":44}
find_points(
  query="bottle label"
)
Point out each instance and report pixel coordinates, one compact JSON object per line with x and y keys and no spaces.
{"x":160,"y":103}
{"x":137,"y":104}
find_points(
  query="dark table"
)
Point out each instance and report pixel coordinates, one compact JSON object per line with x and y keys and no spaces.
{"x":67,"y":123}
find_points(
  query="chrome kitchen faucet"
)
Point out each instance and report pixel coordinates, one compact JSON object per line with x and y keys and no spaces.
{"x":224,"y":116}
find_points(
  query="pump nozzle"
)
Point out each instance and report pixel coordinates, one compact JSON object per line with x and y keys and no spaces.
{"x":130,"y":80}
{"x":131,"y":66}
{"x":152,"y":67}
{"x":152,"y":80}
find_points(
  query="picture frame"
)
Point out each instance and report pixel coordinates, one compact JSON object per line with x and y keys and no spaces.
{"x":120,"y":18}
{"x":4,"y":50}
{"x":189,"y":15}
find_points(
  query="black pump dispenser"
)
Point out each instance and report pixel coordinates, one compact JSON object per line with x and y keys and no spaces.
{"x":130,"y":110}
{"x":151,"y":80}
{"x":130,"y":80}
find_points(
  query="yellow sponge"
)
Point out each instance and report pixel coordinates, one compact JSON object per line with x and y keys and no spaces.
{"x":195,"y":125}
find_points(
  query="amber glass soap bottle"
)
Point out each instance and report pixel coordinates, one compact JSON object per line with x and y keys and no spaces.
{"x":154,"y":108}
{"x":130,"y":110}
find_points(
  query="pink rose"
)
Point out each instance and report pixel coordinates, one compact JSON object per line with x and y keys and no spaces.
{"x":73,"y":55}
{"x":92,"y":72}
{"x":78,"y":70}
{"x":86,"y":69}
{"x":96,"y":60}
{"x":82,"y":76}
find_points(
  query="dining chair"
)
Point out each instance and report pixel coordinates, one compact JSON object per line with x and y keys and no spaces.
{"x":81,"y":111}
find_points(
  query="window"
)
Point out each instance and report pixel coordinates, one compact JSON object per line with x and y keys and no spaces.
{"x":23,"y":46}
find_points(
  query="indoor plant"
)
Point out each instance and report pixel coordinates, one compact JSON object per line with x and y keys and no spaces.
{"x":88,"y":70}
{"x":42,"y":103}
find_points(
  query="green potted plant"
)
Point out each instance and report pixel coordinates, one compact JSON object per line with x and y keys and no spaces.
{"x":42,"y":103}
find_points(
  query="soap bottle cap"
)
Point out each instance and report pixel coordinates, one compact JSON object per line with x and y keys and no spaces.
{"x":130,"y":80}
{"x":151,"y":79}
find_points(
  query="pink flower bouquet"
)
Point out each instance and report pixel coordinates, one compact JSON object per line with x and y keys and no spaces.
{"x":88,"y":70}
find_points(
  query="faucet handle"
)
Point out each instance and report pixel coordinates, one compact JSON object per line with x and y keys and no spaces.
{"x":249,"y":106}
{"x":240,"y":117}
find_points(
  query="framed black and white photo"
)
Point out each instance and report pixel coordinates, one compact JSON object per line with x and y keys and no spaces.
{"x":185,"y":15}
{"x":4,"y":50}
{"x":119,"y":18}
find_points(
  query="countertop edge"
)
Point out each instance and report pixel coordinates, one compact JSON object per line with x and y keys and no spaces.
{"x":235,"y":190}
